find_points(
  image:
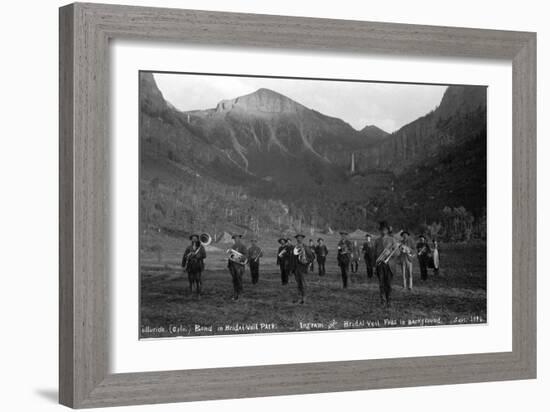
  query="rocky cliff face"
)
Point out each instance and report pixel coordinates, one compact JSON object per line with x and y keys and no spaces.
{"x":263,"y":130}
{"x":262,"y":101}
{"x":461,"y":116}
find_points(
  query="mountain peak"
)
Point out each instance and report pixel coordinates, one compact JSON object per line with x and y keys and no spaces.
{"x":373,"y":132}
{"x":262,"y":100}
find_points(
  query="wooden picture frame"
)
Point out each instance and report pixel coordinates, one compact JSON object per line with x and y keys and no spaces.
{"x":85,"y":31}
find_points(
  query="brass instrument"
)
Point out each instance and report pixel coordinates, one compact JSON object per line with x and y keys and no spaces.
{"x":255,"y":258}
{"x":344,"y":250}
{"x":406,"y":250}
{"x":205,"y":239}
{"x":300,"y":251}
{"x":282,"y":253}
{"x":387,"y":253}
{"x":236,"y":257}
{"x":422,"y":251}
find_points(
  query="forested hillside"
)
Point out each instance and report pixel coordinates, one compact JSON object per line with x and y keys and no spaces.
{"x":265,"y":163}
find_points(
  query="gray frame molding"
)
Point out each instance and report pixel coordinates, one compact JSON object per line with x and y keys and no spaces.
{"x":85,"y":31}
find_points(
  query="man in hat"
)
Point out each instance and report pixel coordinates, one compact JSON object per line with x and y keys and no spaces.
{"x":236,"y":268}
{"x":384,"y":248}
{"x":193,"y":263}
{"x":283,"y":259}
{"x":254,"y":255}
{"x":368,"y":255}
{"x":321,"y":253}
{"x":300,"y":260}
{"x":344,"y":257}
{"x":423,"y":252}
{"x":406,"y":255}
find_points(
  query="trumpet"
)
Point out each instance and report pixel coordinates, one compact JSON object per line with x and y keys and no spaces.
{"x":236,"y":257}
{"x":255,"y":258}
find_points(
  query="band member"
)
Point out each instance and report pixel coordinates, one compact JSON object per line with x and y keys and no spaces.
{"x":406,"y":255}
{"x":435,"y":257}
{"x":312,"y":248}
{"x":236,"y":269}
{"x":368,"y":255}
{"x":354,"y":262}
{"x":321,"y":253}
{"x":300,"y":260}
{"x":254,"y":255}
{"x":423,"y":253}
{"x":193,"y":263}
{"x":384,"y":247}
{"x":283,"y":259}
{"x":344,"y":257}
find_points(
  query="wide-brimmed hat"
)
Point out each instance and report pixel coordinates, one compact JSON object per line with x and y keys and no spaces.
{"x":299,"y":235}
{"x":282,"y":239}
{"x":320,"y":239}
{"x":236,"y":236}
{"x":194,"y":235}
{"x":343,"y":232}
{"x":368,"y":234}
{"x":405,"y":231}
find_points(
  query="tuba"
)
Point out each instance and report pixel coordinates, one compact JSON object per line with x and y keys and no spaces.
{"x":205,"y":239}
{"x":236,"y":257}
{"x":386,"y":254}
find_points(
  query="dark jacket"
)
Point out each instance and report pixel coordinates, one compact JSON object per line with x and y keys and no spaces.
{"x":295,"y":263}
{"x":344,"y":252}
{"x":193,"y":259}
{"x":255,"y":252}
{"x":321,"y":252}
{"x":423,"y":250}
{"x":368,"y":253}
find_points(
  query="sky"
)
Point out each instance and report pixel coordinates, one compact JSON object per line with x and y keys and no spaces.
{"x":386,"y":105}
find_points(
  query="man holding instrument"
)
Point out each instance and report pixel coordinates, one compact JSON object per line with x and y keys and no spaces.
{"x":301,"y":258}
{"x":193,"y":263}
{"x":368,"y":255}
{"x":423,"y":253}
{"x":283,"y":259}
{"x":236,"y":264}
{"x":384,"y":247}
{"x":344,"y":257}
{"x":254,"y":255}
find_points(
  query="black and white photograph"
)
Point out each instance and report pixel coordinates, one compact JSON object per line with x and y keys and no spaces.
{"x":279,"y":205}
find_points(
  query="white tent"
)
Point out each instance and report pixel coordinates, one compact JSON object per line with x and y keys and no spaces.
{"x":358,"y":234}
{"x":225,"y":238}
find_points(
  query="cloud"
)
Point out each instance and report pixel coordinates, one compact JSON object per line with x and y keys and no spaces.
{"x":386,"y":105}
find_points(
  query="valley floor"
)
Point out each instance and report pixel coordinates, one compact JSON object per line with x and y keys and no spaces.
{"x":456,"y":296}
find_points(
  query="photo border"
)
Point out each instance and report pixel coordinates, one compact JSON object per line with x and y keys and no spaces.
{"x":85,"y":33}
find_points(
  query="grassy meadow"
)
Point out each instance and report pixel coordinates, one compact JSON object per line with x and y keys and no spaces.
{"x":456,"y":296}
